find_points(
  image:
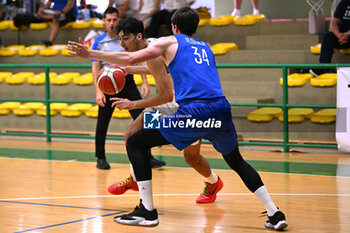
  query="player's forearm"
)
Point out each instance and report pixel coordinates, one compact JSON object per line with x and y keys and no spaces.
{"x":137,"y":70}
{"x":95,"y":70}
{"x":119,"y":58}
{"x":155,"y":100}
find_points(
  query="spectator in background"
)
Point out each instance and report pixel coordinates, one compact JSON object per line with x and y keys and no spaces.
{"x":62,"y":12}
{"x":126,"y":8}
{"x":147,"y":9}
{"x":237,"y":8}
{"x":109,"y":41}
{"x":164,"y":16}
{"x":338,"y":37}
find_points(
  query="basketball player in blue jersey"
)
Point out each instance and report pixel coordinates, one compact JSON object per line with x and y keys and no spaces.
{"x":203,"y":113}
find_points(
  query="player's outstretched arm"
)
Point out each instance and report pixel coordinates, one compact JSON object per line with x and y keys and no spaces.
{"x":156,"y":49}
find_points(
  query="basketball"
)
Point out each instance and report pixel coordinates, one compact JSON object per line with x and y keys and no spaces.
{"x":111,"y":79}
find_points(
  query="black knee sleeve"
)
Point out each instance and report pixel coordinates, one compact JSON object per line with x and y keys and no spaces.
{"x":248,"y":174}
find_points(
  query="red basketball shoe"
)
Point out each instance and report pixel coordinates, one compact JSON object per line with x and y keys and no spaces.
{"x":210,"y":191}
{"x":122,"y":186}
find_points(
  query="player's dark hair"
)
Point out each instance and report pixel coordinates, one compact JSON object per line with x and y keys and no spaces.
{"x":131,"y":25}
{"x":186,"y":19}
{"x":110,"y":10}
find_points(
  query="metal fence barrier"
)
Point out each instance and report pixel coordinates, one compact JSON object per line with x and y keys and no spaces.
{"x":285,"y":105}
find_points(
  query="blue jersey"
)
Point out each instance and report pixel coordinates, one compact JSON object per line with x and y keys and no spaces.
{"x":60,"y":4}
{"x":193,"y":70}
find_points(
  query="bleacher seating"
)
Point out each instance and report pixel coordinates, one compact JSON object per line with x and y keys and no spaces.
{"x":262,"y":42}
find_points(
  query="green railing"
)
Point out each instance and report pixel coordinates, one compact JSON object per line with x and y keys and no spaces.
{"x":285,"y":105}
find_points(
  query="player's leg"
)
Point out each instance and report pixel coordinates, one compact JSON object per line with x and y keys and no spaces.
{"x":131,"y":92}
{"x":252,"y":180}
{"x":213,"y":183}
{"x":137,"y":145}
{"x":103,"y":119}
{"x":129,"y":183}
{"x":225,"y":141}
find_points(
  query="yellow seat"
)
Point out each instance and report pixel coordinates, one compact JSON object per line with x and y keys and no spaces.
{"x":19,"y":78}
{"x":22,"y":111}
{"x":72,"y":75}
{"x":151,"y":80}
{"x":36,"y":80}
{"x":217,"y":50}
{"x":4,"y":52}
{"x":264,"y":114}
{"x":297,"y":114}
{"x":324,"y":80}
{"x":4,"y":111}
{"x":85,"y":79}
{"x":81,"y":106}
{"x":30,"y":50}
{"x":315,"y":49}
{"x":92,"y":112}
{"x":27,"y":52}
{"x":203,"y":22}
{"x":259,"y":17}
{"x":345,"y":51}
{"x":220,"y":21}
{"x":60,"y":80}
{"x":229,"y":46}
{"x":40,"y":78}
{"x":58,"y":106}
{"x":138,"y":79}
{"x":10,"y":105}
{"x":81,"y":24}
{"x":49,"y":52}
{"x":245,"y":20}
{"x":97,"y":23}
{"x":33,"y":105}
{"x":121,"y":113}
{"x":36,"y":46}
{"x":71,"y":112}
{"x":10,"y":50}
{"x":42,"y":111}
{"x":229,"y":17}
{"x":3,"y":75}
{"x":324,"y":116}
{"x":4,"y":25}
{"x":297,"y":79}
{"x":38,"y":26}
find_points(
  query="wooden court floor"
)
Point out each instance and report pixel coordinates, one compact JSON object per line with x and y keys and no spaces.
{"x":40,"y":195}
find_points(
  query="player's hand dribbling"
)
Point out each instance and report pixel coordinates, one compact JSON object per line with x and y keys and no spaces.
{"x":78,"y":49}
{"x":122,"y":104}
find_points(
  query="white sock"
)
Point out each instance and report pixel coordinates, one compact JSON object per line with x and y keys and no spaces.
{"x":132,"y":173}
{"x":145,"y":189}
{"x":265,"y":198}
{"x":212,"y":179}
{"x":255,"y":11}
{"x":236,"y":12}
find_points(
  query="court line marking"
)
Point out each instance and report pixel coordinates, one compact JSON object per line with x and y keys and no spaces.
{"x":174,"y":194}
{"x":55,"y":205}
{"x":70,"y":222}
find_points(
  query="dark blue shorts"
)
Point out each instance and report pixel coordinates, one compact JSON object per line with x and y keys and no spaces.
{"x":201,"y":119}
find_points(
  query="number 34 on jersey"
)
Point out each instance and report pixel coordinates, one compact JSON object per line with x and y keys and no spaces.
{"x":200,"y":56}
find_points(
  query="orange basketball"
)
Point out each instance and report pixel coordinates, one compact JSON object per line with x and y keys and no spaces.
{"x":111,"y":79}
